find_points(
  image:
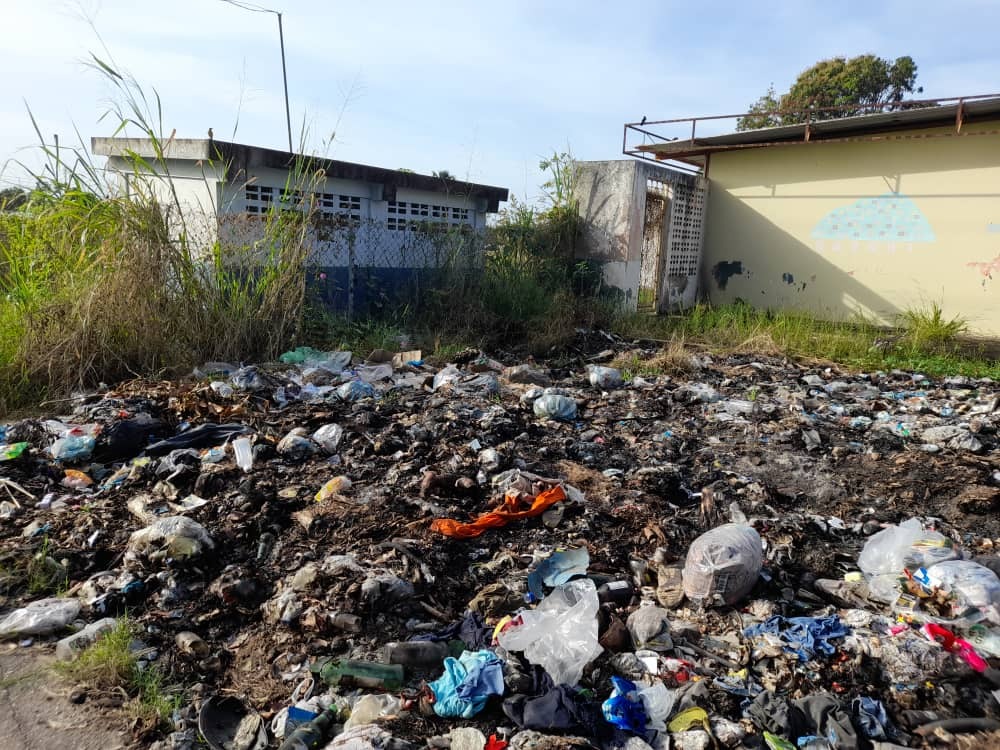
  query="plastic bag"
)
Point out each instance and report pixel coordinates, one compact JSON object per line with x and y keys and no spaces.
{"x":560,"y":634}
{"x":177,"y":537}
{"x":296,"y":446}
{"x":73,"y":448}
{"x":10,"y":451}
{"x":222,"y":389}
{"x":555,"y":406}
{"x":447,"y":376}
{"x":659,"y":702}
{"x":908,"y":545}
{"x":650,"y":629}
{"x":355,"y":390}
{"x":328,"y":437}
{"x":723,"y":564}
{"x":40,"y":618}
{"x":973,"y":585}
{"x":374,"y":373}
{"x":605,"y":377}
{"x":636,"y":708}
{"x":556,"y":570}
{"x":248,"y":379}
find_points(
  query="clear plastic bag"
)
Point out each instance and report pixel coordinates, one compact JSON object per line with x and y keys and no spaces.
{"x":177,"y":537}
{"x":723,"y":564}
{"x":447,"y":376}
{"x":560,"y":634}
{"x":974,"y":585}
{"x":328,"y":437}
{"x":355,"y":390}
{"x":658,"y":700}
{"x":605,"y":377}
{"x":555,"y":406}
{"x":908,"y":545}
{"x":40,"y":618}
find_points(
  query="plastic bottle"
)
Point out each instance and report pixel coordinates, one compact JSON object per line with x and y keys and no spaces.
{"x":347,"y":622}
{"x":353,"y":673}
{"x":335,"y":486}
{"x":68,"y":648}
{"x":618,"y":593}
{"x":416,"y":653}
{"x":311,"y":735}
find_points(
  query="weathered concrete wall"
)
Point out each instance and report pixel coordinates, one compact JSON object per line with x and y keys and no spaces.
{"x":611,"y":221}
{"x":612,"y":199}
{"x":876,"y":227}
{"x":191,"y":197}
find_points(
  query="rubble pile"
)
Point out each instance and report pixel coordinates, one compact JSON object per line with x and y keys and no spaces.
{"x":380,"y":553}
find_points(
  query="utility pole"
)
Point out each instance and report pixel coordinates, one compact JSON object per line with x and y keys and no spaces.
{"x":284,"y":70}
{"x":284,"y":77}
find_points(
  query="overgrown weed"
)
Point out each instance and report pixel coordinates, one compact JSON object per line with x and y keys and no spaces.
{"x":111,"y":663}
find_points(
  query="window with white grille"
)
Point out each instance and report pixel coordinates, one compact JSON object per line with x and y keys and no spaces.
{"x":260,"y":199}
{"x":404,"y":215}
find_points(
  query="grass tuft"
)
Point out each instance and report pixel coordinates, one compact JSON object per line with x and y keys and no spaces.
{"x":111,"y":664}
{"x":927,"y":342}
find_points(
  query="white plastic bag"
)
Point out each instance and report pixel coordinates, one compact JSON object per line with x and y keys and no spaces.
{"x":40,"y":618}
{"x":723,"y":564}
{"x":659,"y":703}
{"x":908,"y":545}
{"x":606,"y":378}
{"x":447,"y":376}
{"x":328,"y":437}
{"x":555,"y":406}
{"x":974,"y":585}
{"x":561,"y":633}
{"x":177,"y":537}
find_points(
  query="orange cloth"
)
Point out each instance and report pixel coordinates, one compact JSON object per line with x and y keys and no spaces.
{"x":501,"y":517}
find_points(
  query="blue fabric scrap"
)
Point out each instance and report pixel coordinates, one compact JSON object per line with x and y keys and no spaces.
{"x":804,"y":636}
{"x":467,"y":683}
{"x":872,"y":718}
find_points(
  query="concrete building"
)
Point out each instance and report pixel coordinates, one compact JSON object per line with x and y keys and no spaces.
{"x":644,"y":223}
{"x":874,"y":214}
{"x":220,"y":190}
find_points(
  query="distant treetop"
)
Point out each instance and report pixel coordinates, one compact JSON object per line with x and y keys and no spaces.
{"x":859,"y":85}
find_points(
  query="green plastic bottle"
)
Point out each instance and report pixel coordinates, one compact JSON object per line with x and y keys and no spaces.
{"x":354,"y":673}
{"x":311,"y":735}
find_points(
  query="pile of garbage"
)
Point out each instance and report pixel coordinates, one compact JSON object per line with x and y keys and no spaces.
{"x":395,"y":553}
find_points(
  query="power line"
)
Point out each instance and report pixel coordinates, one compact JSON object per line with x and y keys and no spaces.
{"x":250,"y":7}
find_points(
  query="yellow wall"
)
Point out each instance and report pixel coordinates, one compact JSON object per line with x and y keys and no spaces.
{"x":782,"y":224}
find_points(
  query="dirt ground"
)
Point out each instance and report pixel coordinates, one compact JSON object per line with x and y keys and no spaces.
{"x":37,"y":714}
{"x":659,"y":462}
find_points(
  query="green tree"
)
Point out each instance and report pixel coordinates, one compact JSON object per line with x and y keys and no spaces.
{"x":859,"y":85}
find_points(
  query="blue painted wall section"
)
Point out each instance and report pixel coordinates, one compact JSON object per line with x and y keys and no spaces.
{"x":885,"y":218}
{"x":375,"y":289}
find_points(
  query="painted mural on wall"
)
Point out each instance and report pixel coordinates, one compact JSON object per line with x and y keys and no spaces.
{"x":885,"y":222}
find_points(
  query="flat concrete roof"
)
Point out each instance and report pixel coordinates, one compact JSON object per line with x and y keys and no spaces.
{"x":240,"y":158}
{"x":826,"y":130}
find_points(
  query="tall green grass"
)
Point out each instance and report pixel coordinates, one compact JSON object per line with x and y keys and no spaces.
{"x":924,"y":340}
{"x":99,"y":284}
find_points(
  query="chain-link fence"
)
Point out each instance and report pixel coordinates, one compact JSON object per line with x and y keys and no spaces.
{"x":362,"y":267}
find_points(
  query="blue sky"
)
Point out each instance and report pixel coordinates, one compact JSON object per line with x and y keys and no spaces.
{"x":483,"y":90}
